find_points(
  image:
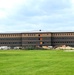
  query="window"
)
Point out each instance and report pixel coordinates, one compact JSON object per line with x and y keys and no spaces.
{"x":34,"y":34}
{"x":43,"y":42}
{"x":28,"y":34}
{"x":39,"y":34}
{"x":24,"y":34}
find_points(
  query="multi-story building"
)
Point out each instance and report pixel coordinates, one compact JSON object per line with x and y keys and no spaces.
{"x":37,"y":39}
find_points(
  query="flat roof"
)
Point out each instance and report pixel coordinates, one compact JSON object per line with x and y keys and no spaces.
{"x":32,"y":32}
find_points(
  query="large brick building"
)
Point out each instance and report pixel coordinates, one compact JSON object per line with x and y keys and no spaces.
{"x":37,"y":39}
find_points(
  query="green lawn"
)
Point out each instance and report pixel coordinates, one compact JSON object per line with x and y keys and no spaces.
{"x":36,"y":62}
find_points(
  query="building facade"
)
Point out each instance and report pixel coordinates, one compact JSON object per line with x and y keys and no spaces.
{"x":37,"y":39}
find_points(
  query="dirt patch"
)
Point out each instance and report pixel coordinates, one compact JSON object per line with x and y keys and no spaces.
{"x":69,"y":50}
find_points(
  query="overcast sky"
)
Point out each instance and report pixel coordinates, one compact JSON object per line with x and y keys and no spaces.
{"x":32,"y":15}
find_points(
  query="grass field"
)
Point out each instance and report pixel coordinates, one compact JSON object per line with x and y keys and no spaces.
{"x":36,"y":62}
